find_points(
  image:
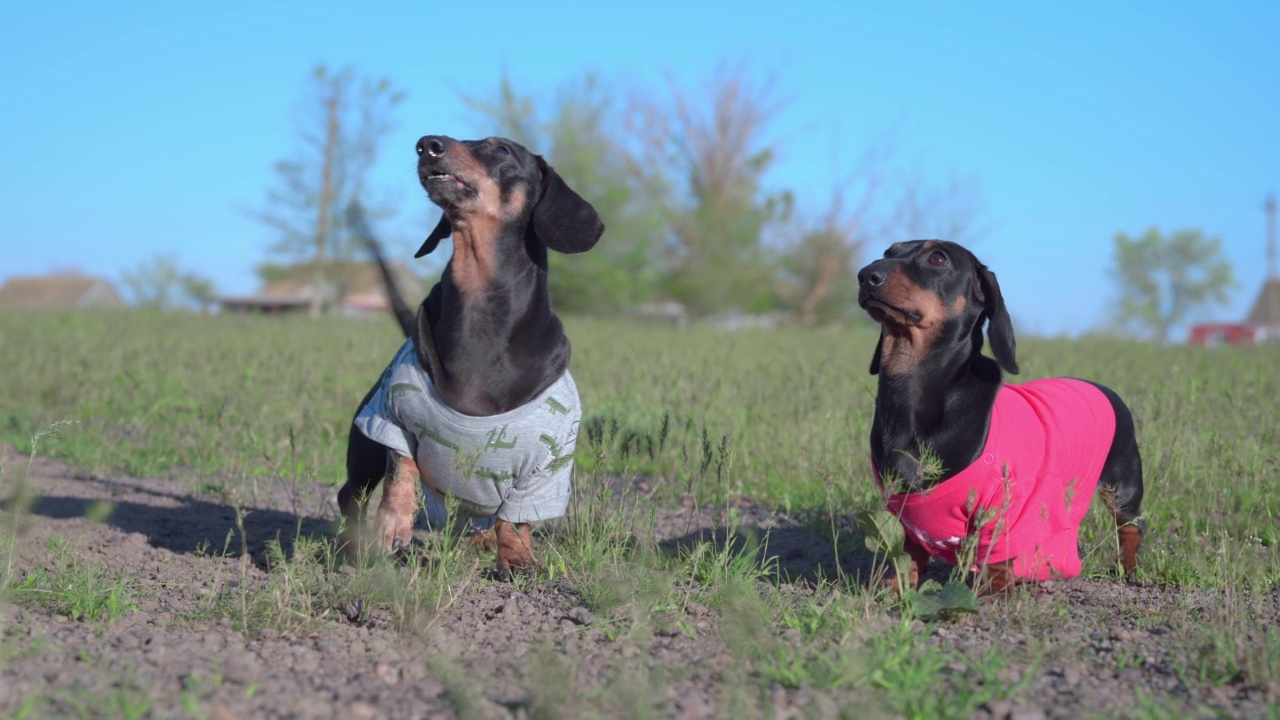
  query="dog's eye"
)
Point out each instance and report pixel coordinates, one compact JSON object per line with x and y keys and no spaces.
{"x":501,"y":151}
{"x":937,"y":259}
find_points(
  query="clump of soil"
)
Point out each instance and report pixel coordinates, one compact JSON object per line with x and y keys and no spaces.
{"x":497,"y":650}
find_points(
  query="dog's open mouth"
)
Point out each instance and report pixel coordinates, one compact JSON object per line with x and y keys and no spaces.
{"x":446,"y":178}
{"x":885,"y":312}
{"x":446,"y":189}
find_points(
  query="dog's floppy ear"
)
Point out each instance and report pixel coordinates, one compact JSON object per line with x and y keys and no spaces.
{"x":443,"y":230}
{"x":999,"y":324}
{"x":875,"y":359}
{"x":562,"y":220}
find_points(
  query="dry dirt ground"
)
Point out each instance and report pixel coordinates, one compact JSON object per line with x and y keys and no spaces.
{"x":498,"y":652}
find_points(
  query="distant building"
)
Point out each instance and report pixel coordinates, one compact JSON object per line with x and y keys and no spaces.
{"x":58,"y":292}
{"x":1261,"y":325}
{"x":1266,"y":309}
{"x":354,"y":288}
{"x":1215,"y":334}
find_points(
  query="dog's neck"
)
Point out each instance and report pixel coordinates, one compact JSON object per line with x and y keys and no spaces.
{"x":927,"y":417}
{"x":497,"y":340}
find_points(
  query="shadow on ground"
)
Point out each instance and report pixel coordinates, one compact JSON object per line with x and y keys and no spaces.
{"x":172,"y":518}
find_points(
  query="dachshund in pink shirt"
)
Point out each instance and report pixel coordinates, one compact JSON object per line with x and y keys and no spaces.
{"x":967,"y":461}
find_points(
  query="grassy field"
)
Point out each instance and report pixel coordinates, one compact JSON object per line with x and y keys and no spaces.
{"x":777,"y":418}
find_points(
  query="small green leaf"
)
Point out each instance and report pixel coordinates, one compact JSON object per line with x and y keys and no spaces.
{"x":954,"y":597}
{"x":883,"y":532}
{"x":958,"y":597}
{"x":884,"y":535}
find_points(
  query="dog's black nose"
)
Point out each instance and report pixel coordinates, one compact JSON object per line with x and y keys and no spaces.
{"x":871,"y":276}
{"x":433,"y":145}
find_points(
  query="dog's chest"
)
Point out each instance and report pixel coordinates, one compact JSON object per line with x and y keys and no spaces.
{"x":478,"y":460}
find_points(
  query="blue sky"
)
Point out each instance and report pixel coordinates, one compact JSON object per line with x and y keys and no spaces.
{"x":132,"y":129}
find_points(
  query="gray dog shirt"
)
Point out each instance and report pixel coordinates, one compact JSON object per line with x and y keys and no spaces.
{"x":515,"y":465}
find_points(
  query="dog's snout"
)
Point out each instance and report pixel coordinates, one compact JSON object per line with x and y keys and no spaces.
{"x":872,"y":276}
{"x":433,"y":145}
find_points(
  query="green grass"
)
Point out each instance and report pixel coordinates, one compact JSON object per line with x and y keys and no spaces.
{"x":778,"y":417}
{"x":77,"y":587}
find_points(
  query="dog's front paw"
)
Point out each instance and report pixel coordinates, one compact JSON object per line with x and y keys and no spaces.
{"x":996,"y":580}
{"x":398,"y":507}
{"x":394,"y":531}
{"x":515,"y":549}
{"x":891,"y":584}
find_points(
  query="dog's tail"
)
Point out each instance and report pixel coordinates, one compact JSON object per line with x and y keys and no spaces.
{"x":404,"y":314}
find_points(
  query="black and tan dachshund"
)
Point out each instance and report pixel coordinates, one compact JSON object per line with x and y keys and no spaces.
{"x":486,"y":357}
{"x":978,"y":471}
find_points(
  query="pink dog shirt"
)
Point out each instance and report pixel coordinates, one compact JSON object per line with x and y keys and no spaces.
{"x":1053,"y":437}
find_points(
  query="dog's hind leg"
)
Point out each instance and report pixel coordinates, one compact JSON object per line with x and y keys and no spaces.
{"x":1125,"y":502}
{"x":1121,"y":483}
{"x":366,"y":466}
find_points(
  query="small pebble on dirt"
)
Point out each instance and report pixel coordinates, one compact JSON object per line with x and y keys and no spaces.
{"x":1129,"y":676}
{"x":1009,"y":675}
{"x":581,"y":616}
{"x":997,"y":709}
{"x":220,"y":712}
{"x":387,"y":673}
{"x":693,"y":705}
{"x":240,"y":668}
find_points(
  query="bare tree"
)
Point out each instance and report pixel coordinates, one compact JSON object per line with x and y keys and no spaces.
{"x":341,"y":124}
{"x":819,"y":260}
{"x":951,"y":210}
{"x":160,"y":284}
{"x":817,"y":270}
{"x":681,"y":185}
{"x":514,"y":115}
{"x":703,"y":155}
{"x":818,"y":281}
